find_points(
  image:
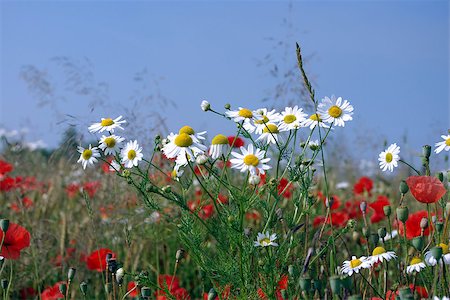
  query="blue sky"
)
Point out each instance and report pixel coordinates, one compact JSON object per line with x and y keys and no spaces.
{"x":390,"y":59}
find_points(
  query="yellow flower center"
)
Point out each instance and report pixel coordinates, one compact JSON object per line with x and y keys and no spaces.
{"x":264,"y":120}
{"x":389,"y":157}
{"x":415,"y":261}
{"x":288,"y":119}
{"x":186,"y":129}
{"x":444,"y":248}
{"x":315,"y":117}
{"x":265,"y":241}
{"x":246,"y":113}
{"x":335,"y":111}
{"x":107,"y":122}
{"x":87,"y":154}
{"x":271,"y":128}
{"x":447,"y":142}
{"x":355,"y":262}
{"x":131,"y":154}
{"x":110,"y":142}
{"x":183,"y":140}
{"x":251,"y":160}
{"x":219,"y":139}
{"x":378,"y":251}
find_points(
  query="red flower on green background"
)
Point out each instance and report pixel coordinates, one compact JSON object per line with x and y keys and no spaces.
{"x":52,"y":293}
{"x":364,"y":184}
{"x":16,"y":239}
{"x":377,"y":207}
{"x":413,"y":225}
{"x":97,"y":259}
{"x":426,"y":189}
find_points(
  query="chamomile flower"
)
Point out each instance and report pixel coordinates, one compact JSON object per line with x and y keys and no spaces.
{"x":131,"y":154}
{"x":292,"y":118}
{"x":389,"y":158}
{"x":110,"y":144}
{"x":336,"y":111}
{"x":431,"y":261}
{"x":443,"y":298}
{"x":196,"y":137}
{"x":355,"y":265}
{"x":443,"y":145}
{"x":265,"y":240}
{"x":313,"y":121}
{"x":219,"y":146}
{"x":379,"y":254}
{"x":262,"y":117}
{"x":182,"y":144}
{"x":251,"y":160}
{"x":243,"y":114}
{"x":415,"y":265}
{"x":205,"y":105}
{"x":88,"y":157}
{"x":107,"y":124}
{"x":269,"y":134}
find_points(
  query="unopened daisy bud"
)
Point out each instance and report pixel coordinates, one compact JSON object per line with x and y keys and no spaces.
{"x":4,"y":225}
{"x":363,"y":207}
{"x":119,"y":275}
{"x":71,"y":273}
{"x":108,"y":288}
{"x":426,"y":151}
{"x":83,"y":288}
{"x":350,"y":224}
{"x":402,"y":213}
{"x":382,"y":232}
{"x":440,"y":176}
{"x":179,"y":255}
{"x":418,"y":243}
{"x":205,"y":105}
{"x":439,"y":226}
{"x":212,"y":294}
{"x":201,"y":159}
{"x":227,"y":106}
{"x":254,"y":179}
{"x":63,"y":288}
{"x":387,"y":210}
{"x":404,"y":188}
{"x":146,"y":292}
{"x":4,"y":283}
{"x":437,"y":252}
{"x":126,"y":173}
{"x":424,"y":223}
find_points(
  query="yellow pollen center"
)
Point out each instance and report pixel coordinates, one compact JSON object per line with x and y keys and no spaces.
{"x":315,"y":117}
{"x":335,"y":111}
{"x":246,"y":113}
{"x":87,"y":154}
{"x":107,"y":122}
{"x":288,"y":119}
{"x":444,"y":248}
{"x":219,"y":139}
{"x":265,"y":241}
{"x":270,"y":128}
{"x":183,"y":140}
{"x":389,"y":157}
{"x":415,"y":261}
{"x":447,"y":142}
{"x":186,"y":129}
{"x":378,"y":251}
{"x":110,"y":142}
{"x":131,"y":154}
{"x":264,"y":120}
{"x":251,"y":160}
{"x":355,"y":262}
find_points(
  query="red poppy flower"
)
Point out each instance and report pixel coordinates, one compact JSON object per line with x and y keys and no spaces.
{"x":364,"y":184}
{"x":28,"y":293}
{"x":377,"y":206}
{"x":4,"y":168}
{"x":24,"y":203}
{"x":52,"y":293}
{"x":413,"y":225}
{"x":282,"y":186}
{"x":222,"y":199}
{"x":420,"y":290}
{"x":353,"y":209}
{"x":16,"y":239}
{"x":238,"y":142}
{"x":336,"y":200}
{"x":7,"y":184}
{"x":97,"y":259}
{"x":172,"y":285}
{"x":131,"y":285}
{"x":203,"y":211}
{"x":261,"y":294}
{"x":283,"y":283}
{"x":426,"y":189}
{"x":72,"y":190}
{"x":339,"y":219}
{"x":91,"y":188}
{"x":318,"y":221}
{"x":59,"y":259}
{"x":253,"y":215}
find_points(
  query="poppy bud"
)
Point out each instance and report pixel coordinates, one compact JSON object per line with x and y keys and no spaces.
{"x":440,"y":176}
{"x":433,"y":219}
{"x":227,"y":106}
{"x":404,"y":188}
{"x":212,"y":294}
{"x":402,"y":213}
{"x":382,"y":232}
{"x":387,"y":210}
{"x":71,"y":273}
{"x":329,"y":202}
{"x":426,"y":151}
{"x":119,"y":275}
{"x":363,"y":207}
{"x":436,"y":252}
{"x":439,"y":226}
{"x":4,"y":283}
{"x":424,"y":223}
{"x":63,"y":288}
{"x":4,"y":224}
{"x":374,"y":238}
{"x":83,"y":288}
{"x":179,"y":255}
{"x":418,"y":243}
{"x":146,"y":292}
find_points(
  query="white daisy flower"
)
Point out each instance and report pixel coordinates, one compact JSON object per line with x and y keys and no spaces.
{"x":88,"y":157}
{"x":269,"y":134}
{"x":389,"y":158}
{"x":196,"y":137}
{"x":265,"y":240}
{"x":443,"y":298}
{"x":182,"y":144}
{"x":107,"y":124}
{"x":292,"y":118}
{"x":243,"y":114}
{"x":262,"y":117}
{"x":444,"y":145}
{"x":431,"y":261}
{"x":416,"y":265}
{"x":354,"y":265}
{"x":219,"y":146}
{"x":313,"y":120}
{"x":336,"y":111}
{"x":205,"y":105}
{"x":131,"y":154}
{"x":250,"y":160}
{"x":314,"y":145}
{"x":115,"y":166}
{"x":389,"y":236}
{"x":342,"y":185}
{"x":379,"y":254}
{"x":110,"y":144}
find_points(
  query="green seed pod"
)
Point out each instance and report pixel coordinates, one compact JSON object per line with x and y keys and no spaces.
{"x":63,"y":288}
{"x":426,"y":151}
{"x":439,"y":226}
{"x":404,"y":188}
{"x":146,"y":292}
{"x":83,"y":288}
{"x":423,"y":223}
{"x":227,"y":106}
{"x":335,"y":283}
{"x":212,"y":294}
{"x":387,"y":210}
{"x":4,"y":224}
{"x":179,"y":255}
{"x":108,"y":287}
{"x":402,"y":213}
{"x":382,"y":232}
{"x":418,"y":243}
{"x":436,"y":252}
{"x":4,"y":283}
{"x":71,"y":273}
{"x":126,"y":173}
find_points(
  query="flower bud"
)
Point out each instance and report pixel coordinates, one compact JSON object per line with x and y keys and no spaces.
{"x":4,"y":283}
{"x":402,"y":213}
{"x":436,"y":252}
{"x":279,"y":213}
{"x":71,"y":273}
{"x":4,"y":225}
{"x":418,"y":243}
{"x":126,"y":173}
{"x":382,"y":232}
{"x":439,"y":226}
{"x":146,"y":292}
{"x":63,"y":288}
{"x":363,"y":207}
{"x":179,"y":255}
{"x":426,"y":151}
{"x":227,"y":106}
{"x":254,"y":179}
{"x":119,"y":275}
{"x":405,"y":293}
{"x":201,"y":159}
{"x":404,"y":188}
{"x":387,"y":210}
{"x":112,"y":265}
{"x":447,"y":208}
{"x":83,"y":288}
{"x":424,"y":223}
{"x":205,"y":105}
{"x":212,"y":294}
{"x":433,"y":219}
